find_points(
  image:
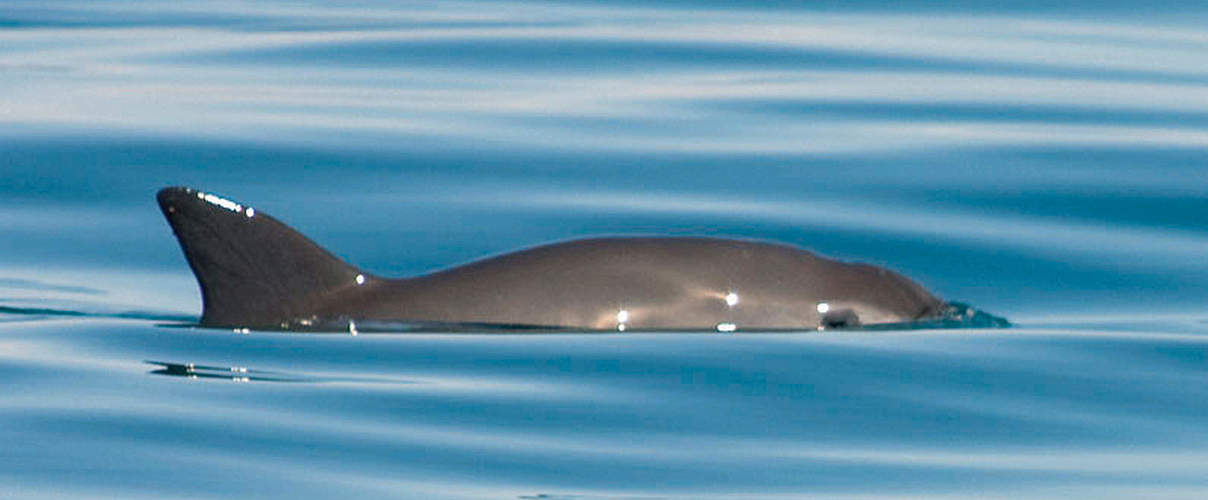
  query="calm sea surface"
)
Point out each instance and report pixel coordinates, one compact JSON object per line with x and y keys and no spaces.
{"x":1044,"y":162}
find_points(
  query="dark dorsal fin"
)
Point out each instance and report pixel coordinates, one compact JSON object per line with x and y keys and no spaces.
{"x":253,"y":270}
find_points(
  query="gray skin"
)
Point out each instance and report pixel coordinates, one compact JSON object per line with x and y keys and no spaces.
{"x":256,"y":272}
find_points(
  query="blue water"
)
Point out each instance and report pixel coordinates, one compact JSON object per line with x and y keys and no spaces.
{"x":1044,"y":162}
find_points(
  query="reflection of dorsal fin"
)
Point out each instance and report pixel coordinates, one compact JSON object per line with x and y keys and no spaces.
{"x":253,"y":270}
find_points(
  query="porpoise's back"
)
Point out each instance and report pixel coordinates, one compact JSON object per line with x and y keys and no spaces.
{"x":651,"y":283}
{"x":255,"y":271}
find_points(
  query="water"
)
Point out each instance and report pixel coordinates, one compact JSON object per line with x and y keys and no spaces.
{"x":1044,"y":163}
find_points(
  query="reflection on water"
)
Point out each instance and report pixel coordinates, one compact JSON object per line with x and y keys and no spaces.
{"x":1038,"y":412}
{"x":1044,"y":162}
{"x":233,"y":373}
{"x":36,"y":311}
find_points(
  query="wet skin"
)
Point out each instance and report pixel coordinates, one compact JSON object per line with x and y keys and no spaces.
{"x":255,"y":271}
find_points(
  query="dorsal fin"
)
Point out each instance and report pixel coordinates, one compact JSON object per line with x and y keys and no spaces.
{"x":253,"y":270}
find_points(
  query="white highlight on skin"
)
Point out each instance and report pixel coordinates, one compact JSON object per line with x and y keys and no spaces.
{"x":219,"y":201}
{"x":731,"y":299}
{"x":726,"y":327}
{"x":222,"y":202}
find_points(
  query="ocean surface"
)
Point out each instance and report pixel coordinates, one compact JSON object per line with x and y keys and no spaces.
{"x":1043,"y":161}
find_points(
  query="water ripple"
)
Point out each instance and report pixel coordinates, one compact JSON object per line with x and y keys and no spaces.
{"x":1043,"y":160}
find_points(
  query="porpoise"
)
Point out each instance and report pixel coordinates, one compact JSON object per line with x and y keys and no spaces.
{"x":256,"y":272}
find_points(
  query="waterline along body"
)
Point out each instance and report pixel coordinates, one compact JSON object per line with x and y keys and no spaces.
{"x":256,"y":272}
